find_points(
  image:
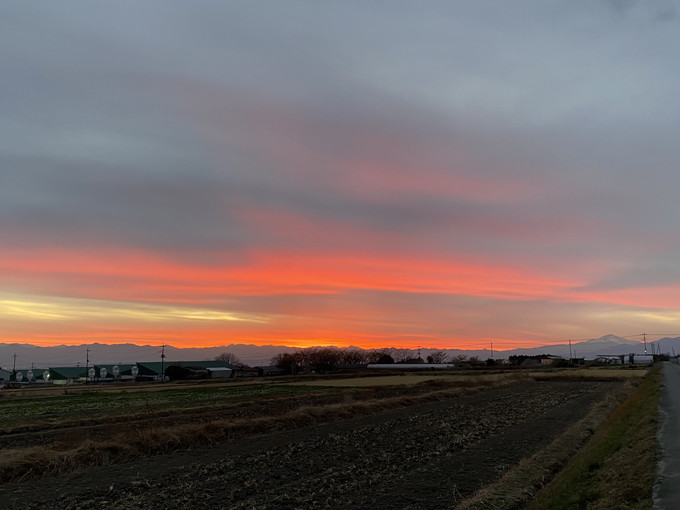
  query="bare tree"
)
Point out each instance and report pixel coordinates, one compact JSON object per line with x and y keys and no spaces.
{"x":286,"y":361}
{"x":401,"y":355}
{"x":376,"y":355}
{"x":459,"y":358}
{"x":438,"y":357}
{"x":322,"y":359}
{"x":353,"y":356}
{"x":229,"y":358}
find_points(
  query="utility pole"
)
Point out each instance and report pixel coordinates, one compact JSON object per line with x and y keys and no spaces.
{"x":87,"y":365}
{"x":644,"y":336}
{"x":491,"y":349}
{"x":163,"y":363}
{"x":14,"y":367}
{"x":571,"y":354}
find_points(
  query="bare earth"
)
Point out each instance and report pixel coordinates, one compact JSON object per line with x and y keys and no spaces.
{"x":427,"y":456}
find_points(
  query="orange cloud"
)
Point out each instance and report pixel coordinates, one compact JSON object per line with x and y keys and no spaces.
{"x":144,"y":276}
{"x":140,"y":296}
{"x":286,"y":297}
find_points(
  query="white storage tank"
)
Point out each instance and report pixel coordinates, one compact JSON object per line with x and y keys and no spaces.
{"x":642,"y":359}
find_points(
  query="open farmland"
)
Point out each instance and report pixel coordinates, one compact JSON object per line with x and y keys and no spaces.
{"x":410,"y":379}
{"x":474,"y":378}
{"x":41,"y":411}
{"x":427,"y":444}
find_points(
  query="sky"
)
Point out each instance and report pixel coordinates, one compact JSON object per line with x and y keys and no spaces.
{"x":388,"y":173}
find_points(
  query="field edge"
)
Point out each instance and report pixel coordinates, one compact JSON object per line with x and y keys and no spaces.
{"x":533,"y":482}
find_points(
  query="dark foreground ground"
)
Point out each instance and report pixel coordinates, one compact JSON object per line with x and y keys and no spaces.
{"x":428,"y":456}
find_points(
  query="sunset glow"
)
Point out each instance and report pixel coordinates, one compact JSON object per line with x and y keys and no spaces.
{"x":277,"y":181}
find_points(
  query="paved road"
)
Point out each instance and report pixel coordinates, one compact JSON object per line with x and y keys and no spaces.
{"x":667,"y":491}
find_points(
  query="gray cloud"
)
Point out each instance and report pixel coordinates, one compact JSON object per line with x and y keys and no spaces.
{"x":524,"y":133}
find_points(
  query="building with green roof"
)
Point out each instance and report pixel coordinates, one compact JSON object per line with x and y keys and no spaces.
{"x":28,"y":375}
{"x":67,"y":375}
{"x":114,"y":372}
{"x":153,"y":369}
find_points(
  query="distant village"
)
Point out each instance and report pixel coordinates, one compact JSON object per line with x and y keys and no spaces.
{"x":304,"y":361}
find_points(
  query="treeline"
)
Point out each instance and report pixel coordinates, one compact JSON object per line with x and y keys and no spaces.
{"x":323,"y":359}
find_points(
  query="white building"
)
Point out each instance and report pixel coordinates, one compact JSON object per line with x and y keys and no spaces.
{"x":220,"y":372}
{"x":4,"y":376}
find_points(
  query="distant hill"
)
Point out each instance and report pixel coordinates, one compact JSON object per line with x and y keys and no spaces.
{"x":67,"y":355}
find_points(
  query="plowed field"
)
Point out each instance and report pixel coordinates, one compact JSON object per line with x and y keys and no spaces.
{"x":426,"y":456}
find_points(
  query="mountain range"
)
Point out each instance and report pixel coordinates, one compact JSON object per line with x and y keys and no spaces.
{"x":28,"y":355}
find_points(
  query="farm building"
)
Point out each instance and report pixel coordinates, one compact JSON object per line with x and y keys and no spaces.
{"x":622,"y":359}
{"x":5,"y":375}
{"x":185,"y":373}
{"x":269,"y":370}
{"x":209,"y":364}
{"x":30,"y":375}
{"x":549,"y":360}
{"x":609,"y":359}
{"x":153,"y":369}
{"x":67,"y":375}
{"x":247,"y":372}
{"x":220,"y":372}
{"x":640,"y":359}
{"x":118,"y":372}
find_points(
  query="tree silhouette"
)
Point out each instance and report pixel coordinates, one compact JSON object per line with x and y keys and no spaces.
{"x":230,"y":358}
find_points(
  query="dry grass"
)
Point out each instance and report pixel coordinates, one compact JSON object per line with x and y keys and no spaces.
{"x":617,"y":468}
{"x":147,"y":439}
{"x":455,"y":378}
{"x":51,"y":390}
{"x":409,"y":379}
{"x":585,"y":374}
{"x":595,"y":476}
{"x":520,"y":484}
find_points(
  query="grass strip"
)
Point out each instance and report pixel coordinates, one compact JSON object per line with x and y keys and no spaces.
{"x":519,"y":485}
{"x":617,"y":468}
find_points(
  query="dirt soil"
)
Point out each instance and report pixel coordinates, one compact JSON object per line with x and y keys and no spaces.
{"x":99,"y":426}
{"x":427,"y":456}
